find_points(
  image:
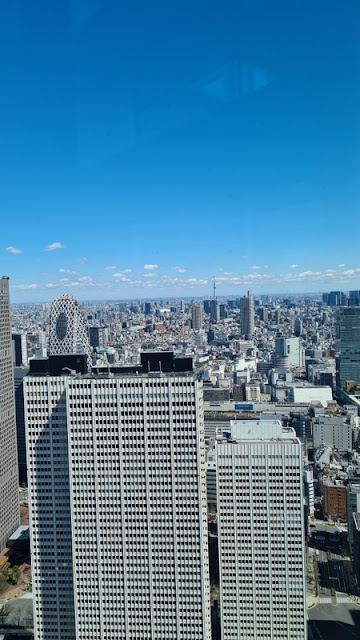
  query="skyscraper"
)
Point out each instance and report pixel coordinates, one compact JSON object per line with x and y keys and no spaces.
{"x":261,"y":535}
{"x":9,"y":497}
{"x":347,"y":345}
{"x":196,"y":317}
{"x":214,"y":310}
{"x":68,"y":332}
{"x":247,"y":315}
{"x":118,"y":506}
{"x":19,"y":349}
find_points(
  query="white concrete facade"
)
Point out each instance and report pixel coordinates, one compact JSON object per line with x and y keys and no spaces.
{"x":261,"y":535}
{"x":135,"y":493}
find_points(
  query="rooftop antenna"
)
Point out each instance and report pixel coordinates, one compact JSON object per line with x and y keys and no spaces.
{"x":214,"y":287}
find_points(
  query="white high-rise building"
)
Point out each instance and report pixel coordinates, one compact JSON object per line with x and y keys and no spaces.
{"x":261,"y":534}
{"x":9,"y":497}
{"x":117,"y":493}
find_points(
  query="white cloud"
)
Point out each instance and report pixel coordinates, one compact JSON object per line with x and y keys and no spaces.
{"x":51,"y":285}
{"x":110,"y":268}
{"x":87,"y":279}
{"x":342,"y":265}
{"x":309,"y":273}
{"x":293,"y":266}
{"x":178,"y":269}
{"x":13,"y":250}
{"x":69,"y":272}
{"x":120,"y":277}
{"x":82,"y":260}
{"x":150,"y":266}
{"x":255,"y":267}
{"x":149,"y":275}
{"x":127,"y":271}
{"x":26,"y":287}
{"x":54,"y":246}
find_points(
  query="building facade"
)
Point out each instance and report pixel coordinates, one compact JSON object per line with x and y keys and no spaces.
{"x":196,"y":317}
{"x":348,"y":345}
{"x":9,"y":497}
{"x":120,"y":542}
{"x":261,"y":534}
{"x":247,"y":315}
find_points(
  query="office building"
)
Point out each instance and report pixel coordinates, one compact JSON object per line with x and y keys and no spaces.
{"x":247,"y":315}
{"x":287,"y":353}
{"x":68,"y":332}
{"x":98,"y":337}
{"x":261,"y":532}
{"x":118,"y":503}
{"x":196,"y":317}
{"x":9,"y":496}
{"x":347,"y":345}
{"x":19,"y":349}
{"x":19,"y":375}
{"x":147,"y":308}
{"x":214,"y":311}
{"x":333,"y":431}
{"x":334,"y":499}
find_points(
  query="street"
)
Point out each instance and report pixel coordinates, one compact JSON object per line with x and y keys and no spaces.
{"x":336,"y":614}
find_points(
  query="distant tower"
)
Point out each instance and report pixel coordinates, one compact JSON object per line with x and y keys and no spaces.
{"x":196,"y":317}
{"x":9,"y":497}
{"x":247,"y":315}
{"x":68,"y":332}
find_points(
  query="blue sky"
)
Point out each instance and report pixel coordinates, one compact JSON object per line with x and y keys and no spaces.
{"x":196,"y":138}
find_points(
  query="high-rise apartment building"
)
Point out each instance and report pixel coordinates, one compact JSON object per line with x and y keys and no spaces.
{"x":247,"y":315}
{"x":118,"y":506}
{"x":348,"y":345}
{"x":9,"y":497}
{"x":196,"y":317}
{"x":261,"y":534}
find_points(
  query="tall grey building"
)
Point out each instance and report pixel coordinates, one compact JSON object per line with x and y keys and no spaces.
{"x":196,"y":317}
{"x":118,"y":506}
{"x":261,"y":533}
{"x":247,"y":315}
{"x":347,"y":345}
{"x":9,"y":496}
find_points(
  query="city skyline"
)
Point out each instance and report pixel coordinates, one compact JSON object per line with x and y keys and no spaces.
{"x":153,"y":281}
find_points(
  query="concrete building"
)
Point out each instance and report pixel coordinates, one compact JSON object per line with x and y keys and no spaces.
{"x":9,"y":497}
{"x":260,"y":525}
{"x":352,"y":506}
{"x":19,"y":375}
{"x":334,"y":499}
{"x":98,"y":337}
{"x":247,"y":315}
{"x":196,"y":317}
{"x":252,"y":391}
{"x":347,"y":345}
{"x":19,"y":349}
{"x":333,"y":431}
{"x":117,"y":491}
{"x":309,"y":493}
{"x":287,"y":353}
